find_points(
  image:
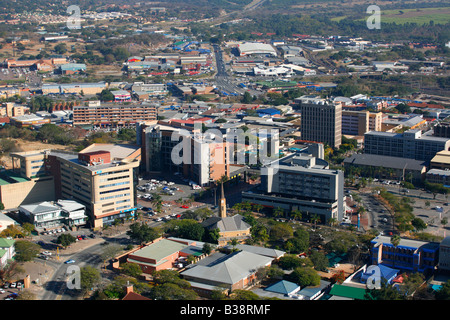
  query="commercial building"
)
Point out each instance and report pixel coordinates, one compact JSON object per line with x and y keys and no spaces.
{"x":385,"y":167}
{"x":17,"y":189}
{"x":357,"y":123}
{"x":106,"y":114}
{"x":48,"y":215}
{"x":410,"y":144}
{"x":408,"y":255}
{"x":301,"y":182}
{"x":249,"y":48}
{"x":74,"y":88}
{"x":444,"y":254}
{"x":202,"y":159}
{"x":438,"y":176}
{"x":162,"y":254}
{"x":72,"y":68}
{"x":441,"y":160}
{"x":322,"y":122}
{"x":102,"y":177}
{"x":28,"y":120}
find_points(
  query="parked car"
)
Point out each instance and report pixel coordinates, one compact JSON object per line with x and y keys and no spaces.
{"x":47,"y":253}
{"x":13,"y":285}
{"x":69,"y":261}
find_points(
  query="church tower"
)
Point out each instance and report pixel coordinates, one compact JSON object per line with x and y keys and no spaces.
{"x":222,"y":203}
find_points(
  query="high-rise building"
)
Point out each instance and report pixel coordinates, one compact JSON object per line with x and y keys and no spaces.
{"x":322,"y":122}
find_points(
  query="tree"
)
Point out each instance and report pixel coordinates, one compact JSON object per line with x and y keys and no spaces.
{"x":89,"y":277}
{"x":26,"y":250}
{"x":247,"y":98}
{"x":142,"y":233}
{"x":131,"y":269}
{"x":65,"y":240}
{"x":319,"y":260}
{"x":106,"y":95}
{"x":419,"y":224}
{"x":305,"y":277}
{"x":444,"y":292}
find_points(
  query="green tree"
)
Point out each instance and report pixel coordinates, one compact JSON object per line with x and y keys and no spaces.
{"x":131,"y":269}
{"x":26,"y":250}
{"x":142,"y":233}
{"x":89,"y":277}
{"x":65,"y":240}
{"x":444,"y":292}
{"x":305,"y":277}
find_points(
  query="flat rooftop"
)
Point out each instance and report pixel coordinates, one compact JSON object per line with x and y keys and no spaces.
{"x":10,"y":177}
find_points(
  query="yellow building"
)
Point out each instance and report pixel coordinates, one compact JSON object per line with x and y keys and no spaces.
{"x":441,"y":160}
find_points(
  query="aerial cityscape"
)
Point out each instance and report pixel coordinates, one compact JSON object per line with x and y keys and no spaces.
{"x":214,"y":152}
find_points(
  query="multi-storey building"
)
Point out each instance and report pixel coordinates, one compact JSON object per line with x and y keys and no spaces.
{"x":102,"y":177}
{"x":410,"y":144}
{"x":322,"y":122}
{"x":178,"y":149}
{"x":104,"y":114}
{"x":408,"y":255}
{"x":304,"y":183}
{"x":357,"y":123}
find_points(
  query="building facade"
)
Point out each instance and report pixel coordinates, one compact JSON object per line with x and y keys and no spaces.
{"x":304,"y":183}
{"x":105,"y":114}
{"x":410,"y":144}
{"x":322,"y":122}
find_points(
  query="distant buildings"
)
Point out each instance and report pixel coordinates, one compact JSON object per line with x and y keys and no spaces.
{"x":249,"y":48}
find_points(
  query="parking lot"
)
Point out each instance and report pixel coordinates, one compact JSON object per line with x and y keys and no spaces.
{"x":175,"y":193}
{"x":9,"y":290}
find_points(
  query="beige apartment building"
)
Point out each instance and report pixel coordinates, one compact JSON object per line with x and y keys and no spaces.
{"x":113,"y":113}
{"x":357,"y":123}
{"x":10,"y":109}
{"x":102,"y":177}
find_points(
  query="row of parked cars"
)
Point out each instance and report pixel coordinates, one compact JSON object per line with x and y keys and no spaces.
{"x":54,"y":231}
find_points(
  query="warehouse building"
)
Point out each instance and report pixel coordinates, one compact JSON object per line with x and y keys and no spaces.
{"x":249,"y":48}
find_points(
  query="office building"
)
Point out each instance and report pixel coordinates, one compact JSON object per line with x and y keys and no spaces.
{"x":179,"y":149}
{"x":322,"y":122}
{"x":357,"y":123}
{"x":102,"y":177}
{"x":444,"y":254}
{"x":301,"y":182}
{"x":409,"y":255}
{"x":106,"y":114}
{"x":410,"y":144}
{"x":47,"y":215}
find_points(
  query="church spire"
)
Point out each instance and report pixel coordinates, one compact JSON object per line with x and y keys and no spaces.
{"x":222,"y":203}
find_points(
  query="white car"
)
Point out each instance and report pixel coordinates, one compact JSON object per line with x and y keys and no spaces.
{"x":13,"y":285}
{"x":47,"y":253}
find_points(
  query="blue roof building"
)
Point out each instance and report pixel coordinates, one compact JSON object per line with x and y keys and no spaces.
{"x":284,"y":287}
{"x":268,"y":112}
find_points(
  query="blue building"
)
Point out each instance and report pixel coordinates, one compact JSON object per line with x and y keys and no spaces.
{"x":268,"y":112}
{"x":409,"y":255}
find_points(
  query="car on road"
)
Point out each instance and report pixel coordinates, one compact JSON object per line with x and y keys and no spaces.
{"x":2,"y":291}
{"x":69,"y":261}
{"x":47,"y":253}
{"x":43,"y":257}
{"x":13,"y":285}
{"x":185,"y":207}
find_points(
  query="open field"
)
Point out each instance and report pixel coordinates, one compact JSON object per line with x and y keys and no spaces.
{"x":420,"y":16}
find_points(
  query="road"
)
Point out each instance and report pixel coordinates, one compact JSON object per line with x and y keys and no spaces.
{"x":424,"y":207}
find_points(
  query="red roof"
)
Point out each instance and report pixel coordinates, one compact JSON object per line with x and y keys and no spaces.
{"x":134,"y":296}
